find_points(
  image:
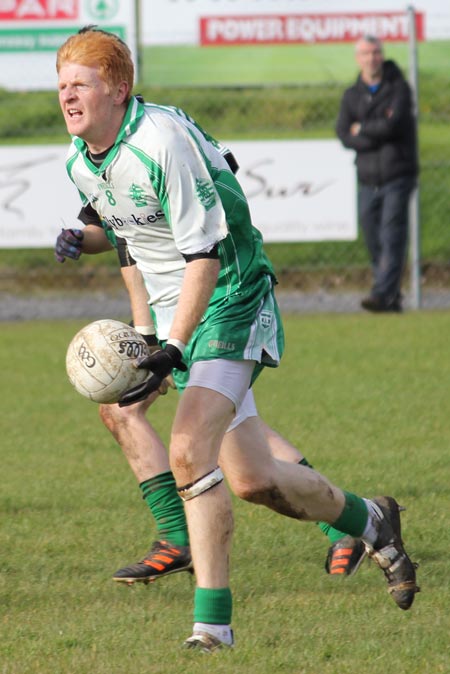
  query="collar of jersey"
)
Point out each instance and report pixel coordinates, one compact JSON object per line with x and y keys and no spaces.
{"x":130,"y":121}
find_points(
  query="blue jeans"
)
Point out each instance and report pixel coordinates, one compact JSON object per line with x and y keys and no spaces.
{"x":383,"y":215}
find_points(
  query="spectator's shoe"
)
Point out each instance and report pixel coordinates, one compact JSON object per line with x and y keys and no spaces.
{"x":345,"y":556}
{"x":206,"y":643}
{"x":380,"y":305}
{"x":388,"y":552}
{"x":161,"y":560}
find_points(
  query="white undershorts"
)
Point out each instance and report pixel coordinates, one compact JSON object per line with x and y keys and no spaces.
{"x":232,"y":379}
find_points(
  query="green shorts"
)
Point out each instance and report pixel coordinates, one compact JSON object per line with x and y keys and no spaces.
{"x":246,"y":326}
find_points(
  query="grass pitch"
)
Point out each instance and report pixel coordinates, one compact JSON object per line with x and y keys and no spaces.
{"x":280,"y":64}
{"x":364,"y":397}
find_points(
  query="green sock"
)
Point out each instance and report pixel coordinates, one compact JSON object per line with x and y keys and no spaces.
{"x":160,"y":494}
{"x":332,"y":533}
{"x":213,"y":606}
{"x":353,"y":518}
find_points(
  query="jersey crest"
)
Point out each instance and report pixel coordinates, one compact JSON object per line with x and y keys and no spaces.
{"x":205,"y":193}
{"x":138,"y":196}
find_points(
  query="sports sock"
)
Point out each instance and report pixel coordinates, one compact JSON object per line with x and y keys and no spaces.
{"x":353,"y":519}
{"x":329,"y":531}
{"x":213,"y":606}
{"x":160,"y":494}
{"x":332,"y":533}
{"x":222,"y":632}
{"x":370,"y":533}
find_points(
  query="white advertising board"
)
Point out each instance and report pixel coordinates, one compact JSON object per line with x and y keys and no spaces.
{"x":31,"y":31}
{"x":278,"y":21}
{"x":37,"y":198}
{"x":297,"y":190}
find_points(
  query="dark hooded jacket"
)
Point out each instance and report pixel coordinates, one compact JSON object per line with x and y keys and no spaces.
{"x":386,"y":146}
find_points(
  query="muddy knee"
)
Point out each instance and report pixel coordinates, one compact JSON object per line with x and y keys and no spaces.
{"x":253,"y":492}
{"x":113,"y":416}
{"x":271,"y":497}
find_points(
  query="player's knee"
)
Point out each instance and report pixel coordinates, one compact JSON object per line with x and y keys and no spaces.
{"x":187,"y":460}
{"x":183,"y":463}
{"x":253,"y":490}
{"x":113,"y":415}
{"x":105,"y":415}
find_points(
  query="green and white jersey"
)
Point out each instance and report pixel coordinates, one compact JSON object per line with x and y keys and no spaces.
{"x":166,"y":188}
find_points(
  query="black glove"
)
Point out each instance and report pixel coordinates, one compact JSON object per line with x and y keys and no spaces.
{"x":161,"y":363}
{"x":153,"y":346}
{"x":69,"y":244}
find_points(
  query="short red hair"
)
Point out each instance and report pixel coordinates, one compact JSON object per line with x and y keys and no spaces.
{"x":98,"y":49}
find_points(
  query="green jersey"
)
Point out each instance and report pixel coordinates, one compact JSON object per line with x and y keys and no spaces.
{"x":166,"y":189}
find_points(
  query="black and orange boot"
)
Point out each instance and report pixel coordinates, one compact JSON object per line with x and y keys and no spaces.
{"x":345,"y":556}
{"x":161,"y":560}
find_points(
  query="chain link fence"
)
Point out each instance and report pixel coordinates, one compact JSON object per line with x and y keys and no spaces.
{"x":281,"y":112}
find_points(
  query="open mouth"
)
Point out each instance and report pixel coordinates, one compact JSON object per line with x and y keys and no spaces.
{"x":74,"y":112}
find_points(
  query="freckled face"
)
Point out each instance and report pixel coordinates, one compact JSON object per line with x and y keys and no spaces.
{"x":90,"y":110}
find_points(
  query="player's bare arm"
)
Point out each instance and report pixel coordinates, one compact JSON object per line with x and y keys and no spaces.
{"x":200,"y":279}
{"x":137,"y":292}
{"x":95,"y":240}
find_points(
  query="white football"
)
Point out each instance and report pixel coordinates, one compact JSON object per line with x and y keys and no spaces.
{"x":100,"y":360}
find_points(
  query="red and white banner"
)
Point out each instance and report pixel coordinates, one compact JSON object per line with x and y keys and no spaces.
{"x":31,"y":31}
{"x":168,"y":22}
{"x":305,"y":28}
{"x":20,"y":10}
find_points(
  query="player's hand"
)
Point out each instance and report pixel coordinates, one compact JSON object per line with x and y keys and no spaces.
{"x":69,"y":244}
{"x":168,"y":382}
{"x":153,"y":346}
{"x":161,"y":363}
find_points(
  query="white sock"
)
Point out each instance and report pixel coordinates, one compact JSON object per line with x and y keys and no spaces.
{"x":370,"y":533}
{"x":221,"y":632}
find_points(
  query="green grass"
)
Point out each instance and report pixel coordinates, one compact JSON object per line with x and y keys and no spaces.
{"x":282,"y":64}
{"x":366,"y":399}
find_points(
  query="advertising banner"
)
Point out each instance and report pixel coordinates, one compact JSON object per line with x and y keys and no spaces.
{"x":297,"y":191}
{"x":231,"y":22}
{"x":305,"y":28}
{"x":31,"y":31}
{"x":37,"y":198}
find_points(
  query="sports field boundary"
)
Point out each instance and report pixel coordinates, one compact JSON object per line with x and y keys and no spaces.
{"x":96,"y":305}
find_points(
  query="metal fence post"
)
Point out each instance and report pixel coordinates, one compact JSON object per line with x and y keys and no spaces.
{"x":414,"y":213}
